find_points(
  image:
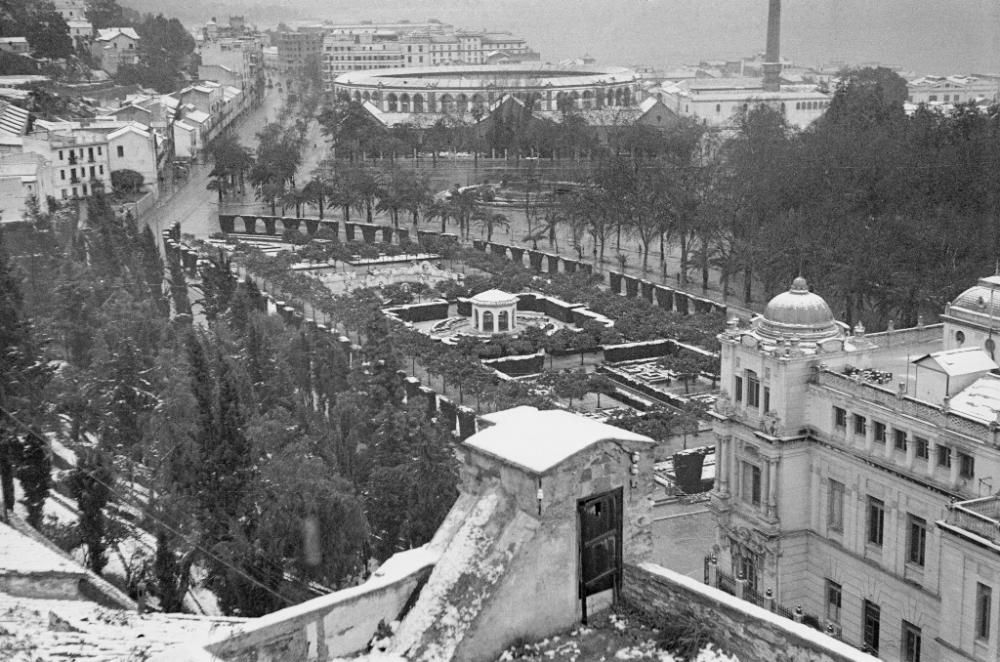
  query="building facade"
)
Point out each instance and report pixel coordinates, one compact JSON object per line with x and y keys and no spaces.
{"x":464,"y":89}
{"x":295,"y":49}
{"x":719,"y":101}
{"x":844,"y":463}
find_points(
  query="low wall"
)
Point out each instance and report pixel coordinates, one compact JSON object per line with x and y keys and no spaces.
{"x":339,"y":624}
{"x":752,"y":633}
{"x":518,"y":365}
{"x":421,"y":312}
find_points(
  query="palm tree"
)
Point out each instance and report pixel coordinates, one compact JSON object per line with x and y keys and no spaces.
{"x":489,"y":220}
{"x":315,"y":192}
{"x":439,"y":209}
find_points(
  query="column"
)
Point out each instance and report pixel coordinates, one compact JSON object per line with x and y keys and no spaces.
{"x":956,"y":466}
{"x":890,"y":441}
{"x":931,"y":456}
{"x":772,"y":492}
{"x":869,"y":435}
{"x":911,"y":452}
{"x":721,"y":468}
{"x":765,"y":485}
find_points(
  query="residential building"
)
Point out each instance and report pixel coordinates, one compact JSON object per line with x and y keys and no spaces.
{"x":21,"y":176}
{"x":719,"y":101}
{"x":346,"y":52}
{"x":72,"y":10}
{"x":81,"y":31}
{"x":295,"y":49}
{"x":951,"y":89}
{"x":115,"y":47}
{"x":233,"y":61}
{"x":15,"y":45}
{"x":851,"y":468}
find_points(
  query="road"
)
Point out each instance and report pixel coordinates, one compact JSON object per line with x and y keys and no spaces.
{"x":191,"y":203}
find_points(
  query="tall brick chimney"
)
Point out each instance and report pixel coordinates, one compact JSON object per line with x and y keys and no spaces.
{"x":772,"y":58}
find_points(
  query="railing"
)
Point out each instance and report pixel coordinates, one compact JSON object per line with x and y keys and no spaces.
{"x":978,"y":516}
{"x":739,"y":587}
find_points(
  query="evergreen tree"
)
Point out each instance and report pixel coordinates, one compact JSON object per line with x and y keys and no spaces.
{"x":90,"y":484}
{"x":34,"y":471}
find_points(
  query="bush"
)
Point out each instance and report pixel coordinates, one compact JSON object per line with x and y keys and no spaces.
{"x":685,"y":633}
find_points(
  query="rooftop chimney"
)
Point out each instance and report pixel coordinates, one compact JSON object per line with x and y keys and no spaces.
{"x":772,"y":58}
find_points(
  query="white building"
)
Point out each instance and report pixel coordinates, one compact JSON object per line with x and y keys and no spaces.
{"x":856,"y":474}
{"x":719,"y":101}
{"x":21,"y":176}
{"x":115,"y":47}
{"x":951,"y":90}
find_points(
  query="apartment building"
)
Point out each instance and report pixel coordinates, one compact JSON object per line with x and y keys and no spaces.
{"x":856,"y":473}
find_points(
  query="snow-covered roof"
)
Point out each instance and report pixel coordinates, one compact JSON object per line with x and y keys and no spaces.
{"x":980,"y":400}
{"x":958,"y":361}
{"x":107,"y":34}
{"x":197,"y":116}
{"x":494,"y":297}
{"x":128,"y":129}
{"x":20,"y":555}
{"x":539,"y":440}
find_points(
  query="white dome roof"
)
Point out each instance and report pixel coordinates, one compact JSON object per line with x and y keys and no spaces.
{"x":799,"y":313}
{"x":494,"y":298}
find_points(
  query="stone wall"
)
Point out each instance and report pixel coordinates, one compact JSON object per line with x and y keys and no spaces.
{"x":753,"y":633}
{"x":334,"y":625}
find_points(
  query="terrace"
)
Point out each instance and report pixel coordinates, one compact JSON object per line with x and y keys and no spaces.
{"x":976,"y":519}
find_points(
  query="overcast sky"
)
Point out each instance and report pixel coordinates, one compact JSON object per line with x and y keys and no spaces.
{"x":928,"y":36}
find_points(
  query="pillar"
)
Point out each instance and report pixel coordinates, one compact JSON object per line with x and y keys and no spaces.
{"x":869,"y":435}
{"x":956,"y":466}
{"x":765,"y":486}
{"x":931,"y":456}
{"x":772,"y":489}
{"x":721,"y":466}
{"x":890,"y":441}
{"x":911,"y":452}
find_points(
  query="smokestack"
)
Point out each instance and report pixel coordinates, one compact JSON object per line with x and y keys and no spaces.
{"x":772,"y":58}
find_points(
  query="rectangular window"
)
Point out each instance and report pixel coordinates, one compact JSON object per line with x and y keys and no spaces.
{"x":967,"y":465}
{"x":876,"y":521}
{"x":984,"y":603}
{"x":860,"y":425}
{"x":911,"y":642}
{"x":753,"y":389}
{"x":916,"y":542}
{"x":738,"y":389}
{"x":835,"y":506}
{"x":899,"y":439}
{"x":833,"y":595}
{"x":60,"y":155}
{"x":751,"y":484}
{"x":839,"y":417}
{"x":923,"y":448}
{"x":121,"y":150}
{"x":871,"y":617}
{"x":879,"y":432}
{"x":767,"y":398}
{"x":62,"y":175}
{"x":944,"y":456}
{"x":98,"y":151}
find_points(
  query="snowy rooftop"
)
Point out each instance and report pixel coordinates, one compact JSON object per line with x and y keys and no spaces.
{"x":980,"y":400}
{"x":958,"y":361}
{"x":81,"y":630}
{"x":20,"y":555}
{"x":497,"y":297}
{"x":539,"y":440}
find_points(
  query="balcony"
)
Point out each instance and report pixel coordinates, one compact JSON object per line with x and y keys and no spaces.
{"x":980,"y":517}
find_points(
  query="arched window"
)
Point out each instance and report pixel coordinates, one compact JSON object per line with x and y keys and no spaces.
{"x":488,"y":322}
{"x":503,"y":321}
{"x":959,"y":338}
{"x":404,"y":103}
{"x":393,"y":102}
{"x":990,"y":347}
{"x":418,"y":103}
{"x":475,"y":319}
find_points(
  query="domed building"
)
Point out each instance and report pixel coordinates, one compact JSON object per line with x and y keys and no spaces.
{"x":798,"y":314}
{"x":854,"y":472}
{"x":973,"y":318}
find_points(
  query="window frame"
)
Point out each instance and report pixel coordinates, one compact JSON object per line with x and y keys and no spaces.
{"x":833,"y":607}
{"x":916,"y":540}
{"x":871,"y":625}
{"x":943,"y":456}
{"x":899,"y":440}
{"x":753,"y":389}
{"x":879,"y":429}
{"x":966,"y":465}
{"x":737,"y":388}
{"x":984,"y":608}
{"x":875,"y":534}
{"x":839,"y":417}
{"x":860,"y":425}
{"x":910,"y":642}
{"x":751,"y":494}
{"x":923,"y":450}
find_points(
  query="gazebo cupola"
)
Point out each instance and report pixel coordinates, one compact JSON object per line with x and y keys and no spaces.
{"x":494,"y":311}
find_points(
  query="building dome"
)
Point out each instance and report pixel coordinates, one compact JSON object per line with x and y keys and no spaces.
{"x":979,"y":304}
{"x":494,"y":298}
{"x":798,"y":313}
